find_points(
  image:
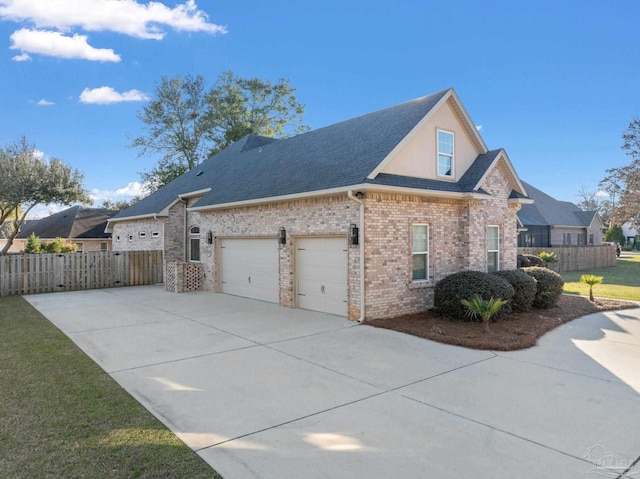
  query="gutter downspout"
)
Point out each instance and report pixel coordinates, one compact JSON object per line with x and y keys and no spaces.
{"x":361,"y":246}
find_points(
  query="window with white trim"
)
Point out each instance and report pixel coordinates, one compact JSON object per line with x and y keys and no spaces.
{"x":420,"y":252}
{"x":104,"y":247}
{"x":493,"y":248}
{"x":445,"y":153}
{"x":194,"y":243}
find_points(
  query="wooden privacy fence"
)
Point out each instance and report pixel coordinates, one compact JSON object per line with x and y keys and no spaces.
{"x":47,"y":273}
{"x":578,"y":258}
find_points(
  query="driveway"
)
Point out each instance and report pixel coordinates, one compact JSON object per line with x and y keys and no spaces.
{"x":260,"y":391}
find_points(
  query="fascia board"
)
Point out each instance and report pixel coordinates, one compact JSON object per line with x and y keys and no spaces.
{"x":343,"y":190}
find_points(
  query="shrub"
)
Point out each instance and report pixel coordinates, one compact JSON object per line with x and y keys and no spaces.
{"x":60,"y":245}
{"x":451,"y":290}
{"x":524,"y":285}
{"x":483,"y":308}
{"x":534,"y":260}
{"x":548,"y":257}
{"x":549,"y":287}
{"x":591,"y":280}
{"x":523,"y":261}
{"x":33,"y":244}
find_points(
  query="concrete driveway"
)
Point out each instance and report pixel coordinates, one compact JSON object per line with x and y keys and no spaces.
{"x":268,"y":392}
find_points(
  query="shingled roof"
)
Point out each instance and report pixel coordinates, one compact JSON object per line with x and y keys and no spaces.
{"x":330,"y":158}
{"x":74,"y":222}
{"x":547,"y":211}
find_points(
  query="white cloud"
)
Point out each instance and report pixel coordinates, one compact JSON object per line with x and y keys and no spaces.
{"x":135,"y":188}
{"x":55,"y":44}
{"x":42,"y":211}
{"x":106,"y":95}
{"x":44,"y":102}
{"x":121,"y":16}
{"x":23,"y":57}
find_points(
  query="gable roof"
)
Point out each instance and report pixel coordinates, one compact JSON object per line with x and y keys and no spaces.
{"x":547,"y":211}
{"x":74,"y":222}
{"x":329,"y":159}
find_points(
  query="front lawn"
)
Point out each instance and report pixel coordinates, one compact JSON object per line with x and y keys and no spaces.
{"x":61,"y":416}
{"x":620,"y":282}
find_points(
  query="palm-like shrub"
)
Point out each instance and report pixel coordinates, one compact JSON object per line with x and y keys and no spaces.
{"x":591,"y":280}
{"x":485,"y":309}
{"x":548,"y":257}
{"x":451,"y":290}
{"x":549,"y":286}
{"x":524,"y":285}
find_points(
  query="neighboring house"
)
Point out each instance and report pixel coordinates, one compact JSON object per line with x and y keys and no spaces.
{"x":359,"y":219}
{"x":548,"y":222}
{"x":631,"y":235}
{"x":84,"y":227}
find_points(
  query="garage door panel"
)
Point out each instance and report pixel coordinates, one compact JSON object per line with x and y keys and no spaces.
{"x":322,"y":274}
{"x":249,"y":268}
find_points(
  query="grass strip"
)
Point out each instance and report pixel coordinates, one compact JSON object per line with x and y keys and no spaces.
{"x":62,"y":416}
{"x":620,"y":282}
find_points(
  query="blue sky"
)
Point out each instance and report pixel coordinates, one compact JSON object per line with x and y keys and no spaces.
{"x":554,"y":83}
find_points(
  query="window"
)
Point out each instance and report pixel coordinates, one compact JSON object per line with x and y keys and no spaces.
{"x":420,"y":242}
{"x":79,"y":247}
{"x":130,"y":238}
{"x":117,"y":237}
{"x":194,"y":243}
{"x":103,"y":247}
{"x":142,"y":234}
{"x":566,"y":238}
{"x":445,"y":153}
{"x":155,"y":234}
{"x":591,"y":239}
{"x":493,"y":247}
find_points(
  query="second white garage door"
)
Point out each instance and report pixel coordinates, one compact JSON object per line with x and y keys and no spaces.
{"x":249,"y":268}
{"x":322,"y":274}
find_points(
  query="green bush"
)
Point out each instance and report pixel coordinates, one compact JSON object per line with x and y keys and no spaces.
{"x":523,"y":284}
{"x":549,"y":288}
{"x":548,"y":257}
{"x":59,"y":245}
{"x":33,"y":244}
{"x":451,"y":290}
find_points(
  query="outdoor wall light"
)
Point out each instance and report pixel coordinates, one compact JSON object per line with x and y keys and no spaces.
{"x":282,"y":236}
{"x":353,"y":234}
{"x":209,"y":237}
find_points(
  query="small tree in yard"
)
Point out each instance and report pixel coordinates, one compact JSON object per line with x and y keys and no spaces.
{"x":33,"y":244}
{"x":485,"y":309}
{"x":591,"y":280}
{"x":548,"y":257}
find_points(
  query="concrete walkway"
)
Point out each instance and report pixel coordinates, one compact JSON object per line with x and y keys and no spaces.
{"x":261,"y":391}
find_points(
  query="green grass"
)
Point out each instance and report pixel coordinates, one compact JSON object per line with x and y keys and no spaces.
{"x":620,"y":282}
{"x":61,"y":416}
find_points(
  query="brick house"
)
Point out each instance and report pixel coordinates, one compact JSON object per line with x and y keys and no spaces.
{"x":548,"y":222}
{"x":85,"y":227}
{"x":358,"y":219}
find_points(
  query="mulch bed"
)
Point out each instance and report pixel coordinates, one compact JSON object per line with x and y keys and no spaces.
{"x":519,"y":331}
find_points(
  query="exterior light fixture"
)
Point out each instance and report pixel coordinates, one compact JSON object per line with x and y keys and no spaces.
{"x":209,"y":237}
{"x":353,"y":234}
{"x":282,"y":236}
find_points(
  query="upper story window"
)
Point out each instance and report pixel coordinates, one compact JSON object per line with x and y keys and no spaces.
{"x":445,"y":153}
{"x":194,"y":243}
{"x":420,"y":250}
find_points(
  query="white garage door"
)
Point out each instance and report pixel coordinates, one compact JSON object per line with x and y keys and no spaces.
{"x":322,"y":274}
{"x":249,"y":268}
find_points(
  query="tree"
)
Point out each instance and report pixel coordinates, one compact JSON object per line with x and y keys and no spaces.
{"x":595,"y":201}
{"x":120,"y":204}
{"x":591,"y":280}
{"x":614,"y":234}
{"x":185,"y":124}
{"x":625,"y":180}
{"x":27,"y":180}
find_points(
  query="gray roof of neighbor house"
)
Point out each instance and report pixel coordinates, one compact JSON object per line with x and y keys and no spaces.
{"x":336,"y":156}
{"x":547,"y":211}
{"x":72,"y":223}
